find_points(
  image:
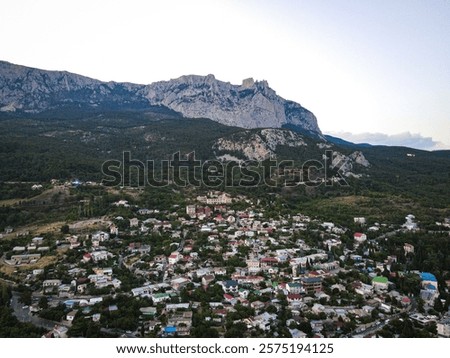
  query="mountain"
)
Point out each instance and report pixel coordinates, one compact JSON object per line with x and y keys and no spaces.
{"x":345,"y":143}
{"x":253,"y":104}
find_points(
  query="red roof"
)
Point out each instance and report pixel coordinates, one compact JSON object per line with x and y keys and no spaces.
{"x":228,"y":296}
{"x":294,"y":296}
{"x":358,"y":234}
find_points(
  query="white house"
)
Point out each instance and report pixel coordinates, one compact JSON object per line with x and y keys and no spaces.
{"x":443,"y":327}
{"x":359,"y":237}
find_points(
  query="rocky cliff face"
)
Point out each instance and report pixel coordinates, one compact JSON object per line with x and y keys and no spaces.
{"x":33,"y":90}
{"x":255,"y":146}
{"x":253,"y":104}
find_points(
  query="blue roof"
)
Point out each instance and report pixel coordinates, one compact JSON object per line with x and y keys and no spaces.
{"x":426,"y":276}
{"x":431,"y":287}
{"x":170,"y":329}
{"x":230,"y":283}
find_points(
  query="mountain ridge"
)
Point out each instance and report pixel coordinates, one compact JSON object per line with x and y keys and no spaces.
{"x":253,"y":104}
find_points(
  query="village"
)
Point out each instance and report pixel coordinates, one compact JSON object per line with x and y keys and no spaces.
{"x":220,"y":267}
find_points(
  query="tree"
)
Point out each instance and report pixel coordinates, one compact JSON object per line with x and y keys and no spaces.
{"x":408,"y":329}
{"x":271,"y":309}
{"x":305,"y":327}
{"x":236,"y":330}
{"x":65,"y":229}
{"x":25,"y":297}
{"x":43,"y":303}
{"x":438,"y":306}
{"x":4,"y":296}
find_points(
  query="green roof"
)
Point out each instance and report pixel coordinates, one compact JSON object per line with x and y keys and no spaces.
{"x":380,"y":279}
{"x":160,"y":295}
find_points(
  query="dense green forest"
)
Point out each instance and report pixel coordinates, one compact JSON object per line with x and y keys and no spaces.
{"x":73,"y":144}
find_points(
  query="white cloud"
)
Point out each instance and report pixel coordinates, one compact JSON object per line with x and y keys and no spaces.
{"x":405,"y":139}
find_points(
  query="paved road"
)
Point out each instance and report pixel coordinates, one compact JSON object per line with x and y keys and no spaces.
{"x":23,"y":314}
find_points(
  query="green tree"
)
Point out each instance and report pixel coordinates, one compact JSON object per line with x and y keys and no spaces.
{"x":25,"y":297}
{"x":5,"y":296}
{"x":438,"y":306}
{"x":305,"y":327}
{"x":408,"y":329}
{"x":65,"y":229}
{"x":43,"y":303}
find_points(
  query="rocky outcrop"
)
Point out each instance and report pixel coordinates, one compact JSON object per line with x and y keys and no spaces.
{"x":346,"y":164}
{"x":255,"y":146}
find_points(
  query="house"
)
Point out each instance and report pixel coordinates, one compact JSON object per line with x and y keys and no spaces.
{"x":179,"y":282}
{"x":230,"y":286}
{"x":386,"y":308}
{"x":428,"y":279}
{"x":170,"y":330}
{"x":87,"y":257}
{"x":359,"y":237}
{"x":148,"y":311}
{"x":59,"y":331}
{"x":264,"y":320}
{"x":174,"y":257}
{"x":220,"y":271}
{"x":138,"y":247}
{"x":71,"y":316}
{"x":37,"y":240}
{"x":207,"y":279}
{"x":51,"y":283}
{"x":182,"y":321}
{"x":73,"y":241}
{"x":295,"y":333}
{"x":405,"y":301}
{"x":123,"y":203}
{"x":410,"y":224}
{"x":443,"y":327}
{"x":145,"y":211}
{"x":100,"y":236}
{"x":311,"y":284}
{"x":191,"y":210}
{"x":96,"y":317}
{"x":114,"y":229}
{"x":176,"y":306}
{"x":253,"y":265}
{"x":25,"y":259}
{"x":364,"y":289}
{"x":294,"y":288}
{"x":294,"y":297}
{"x":408,"y":248}
{"x":134,"y":222}
{"x":228,"y":297}
{"x":160,"y":297}
{"x":317,"y":308}
{"x":100,"y":255}
{"x":257,"y":305}
{"x":380,"y":283}
{"x":268,"y":262}
{"x":359,"y":220}
{"x":19,"y":249}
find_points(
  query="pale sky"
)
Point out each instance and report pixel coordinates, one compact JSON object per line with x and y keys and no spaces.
{"x":365,"y":68}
